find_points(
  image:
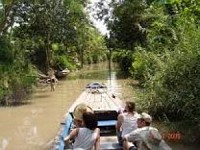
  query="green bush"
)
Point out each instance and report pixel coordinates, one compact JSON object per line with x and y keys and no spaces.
{"x":6,"y":53}
{"x":95,"y":57}
{"x":172,"y":83}
{"x":16,"y":83}
{"x":173,"y":94}
{"x":62,"y":62}
{"x":145,"y":65}
{"x":124,"y":59}
{"x":177,"y":85}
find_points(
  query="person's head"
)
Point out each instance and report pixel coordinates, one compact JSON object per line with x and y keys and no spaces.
{"x":130,"y":106}
{"x":90,"y":120}
{"x":144,"y":120}
{"x":78,"y":113}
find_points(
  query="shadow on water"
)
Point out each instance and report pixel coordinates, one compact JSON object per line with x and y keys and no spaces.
{"x":42,"y":96}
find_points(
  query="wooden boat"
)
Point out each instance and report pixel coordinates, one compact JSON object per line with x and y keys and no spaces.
{"x":62,"y":73}
{"x":105,"y":106}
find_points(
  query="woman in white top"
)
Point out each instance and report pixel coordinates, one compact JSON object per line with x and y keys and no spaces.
{"x":126,"y":121}
{"x":87,"y":137}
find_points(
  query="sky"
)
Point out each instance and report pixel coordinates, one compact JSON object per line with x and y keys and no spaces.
{"x":99,"y":24}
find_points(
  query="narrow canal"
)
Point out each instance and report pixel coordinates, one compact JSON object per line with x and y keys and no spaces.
{"x":34,"y":125}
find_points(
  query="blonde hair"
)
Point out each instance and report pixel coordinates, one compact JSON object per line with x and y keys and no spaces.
{"x":80,"y":109}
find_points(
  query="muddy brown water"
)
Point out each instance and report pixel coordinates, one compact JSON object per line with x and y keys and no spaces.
{"x":33,"y":126}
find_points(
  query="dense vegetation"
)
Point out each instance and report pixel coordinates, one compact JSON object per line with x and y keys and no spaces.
{"x":154,"y":41}
{"x":159,"y":46}
{"x":41,"y":35}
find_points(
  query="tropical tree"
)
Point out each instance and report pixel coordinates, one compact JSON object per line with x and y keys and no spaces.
{"x":42,"y":34}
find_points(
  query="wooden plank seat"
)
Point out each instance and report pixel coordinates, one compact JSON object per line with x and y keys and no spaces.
{"x":106,"y":123}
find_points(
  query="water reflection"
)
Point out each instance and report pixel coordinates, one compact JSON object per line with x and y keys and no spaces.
{"x":113,"y":85}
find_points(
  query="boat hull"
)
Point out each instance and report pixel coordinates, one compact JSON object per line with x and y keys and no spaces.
{"x":106,"y":107}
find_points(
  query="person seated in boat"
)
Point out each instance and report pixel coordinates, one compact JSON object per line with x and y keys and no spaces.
{"x":126,"y":121}
{"x":78,"y":114}
{"x":145,"y":137}
{"x":86,"y":137}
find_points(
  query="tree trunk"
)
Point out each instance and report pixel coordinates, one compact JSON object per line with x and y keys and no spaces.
{"x":47,"y":53}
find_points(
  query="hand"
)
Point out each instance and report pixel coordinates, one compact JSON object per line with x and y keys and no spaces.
{"x":67,"y":140}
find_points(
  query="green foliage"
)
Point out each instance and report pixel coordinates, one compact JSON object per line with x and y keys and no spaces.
{"x":94,"y":48}
{"x":137,"y":24}
{"x":6,"y":53}
{"x":172,"y":90}
{"x":126,"y":25}
{"x":47,"y":23}
{"x":96,"y":57}
{"x":62,"y":62}
{"x":162,"y":33}
{"x":168,"y":66}
{"x":124,"y":59}
{"x":16,"y":83}
{"x":180,"y":74}
{"x":51,"y":33}
{"x":145,"y":65}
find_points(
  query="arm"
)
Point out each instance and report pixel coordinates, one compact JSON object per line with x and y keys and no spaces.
{"x":128,"y":141}
{"x":72,"y":135}
{"x":97,"y":142}
{"x":120,"y":119}
{"x":127,"y":144}
{"x":133,"y":137}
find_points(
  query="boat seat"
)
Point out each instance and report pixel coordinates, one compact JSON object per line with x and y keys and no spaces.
{"x":110,"y":146}
{"x":106,"y":123}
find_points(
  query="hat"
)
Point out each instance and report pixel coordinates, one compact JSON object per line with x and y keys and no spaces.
{"x":146,"y":117}
{"x":80,"y":109}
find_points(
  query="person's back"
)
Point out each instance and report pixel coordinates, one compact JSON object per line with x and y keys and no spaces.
{"x":126,"y":121}
{"x":86,"y":138}
{"x":129,"y":123}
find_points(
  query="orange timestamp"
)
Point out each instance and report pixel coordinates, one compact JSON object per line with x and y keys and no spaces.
{"x":175,"y":136}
